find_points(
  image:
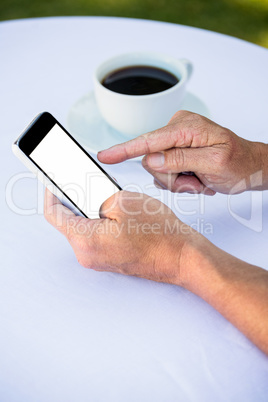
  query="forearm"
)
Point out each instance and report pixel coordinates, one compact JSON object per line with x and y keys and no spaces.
{"x":239,"y":291}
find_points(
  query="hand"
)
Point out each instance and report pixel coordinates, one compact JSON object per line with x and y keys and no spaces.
{"x":214,"y":158}
{"x":136,"y":235}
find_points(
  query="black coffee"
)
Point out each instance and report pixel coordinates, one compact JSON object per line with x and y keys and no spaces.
{"x":139,"y":80}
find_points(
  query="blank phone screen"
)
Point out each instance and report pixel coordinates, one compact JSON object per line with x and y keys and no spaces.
{"x":71,"y":169}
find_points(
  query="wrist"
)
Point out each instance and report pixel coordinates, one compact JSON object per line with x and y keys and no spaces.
{"x":200,"y":266}
{"x":193,"y":259}
{"x":259,"y":176}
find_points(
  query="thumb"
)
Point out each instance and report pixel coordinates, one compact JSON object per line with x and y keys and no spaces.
{"x":178,"y":183}
{"x":177,"y":160}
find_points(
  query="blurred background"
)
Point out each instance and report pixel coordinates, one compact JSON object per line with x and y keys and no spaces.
{"x":245,"y":19}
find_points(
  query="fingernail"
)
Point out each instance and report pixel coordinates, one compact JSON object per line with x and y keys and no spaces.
{"x":156,"y":160}
{"x":209,"y":192}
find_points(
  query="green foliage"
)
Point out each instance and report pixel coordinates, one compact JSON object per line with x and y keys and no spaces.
{"x":245,"y":19}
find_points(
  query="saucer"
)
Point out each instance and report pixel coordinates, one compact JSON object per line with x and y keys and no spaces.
{"x":87,"y":126}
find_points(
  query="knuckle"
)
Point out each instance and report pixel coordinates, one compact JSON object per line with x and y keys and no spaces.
{"x":145,"y":140}
{"x":175,"y":158}
{"x":176,"y":186}
{"x":231,"y":141}
{"x":175,"y":189}
{"x":84,"y":245}
{"x":198,"y":118}
{"x":70,"y":236}
{"x":110,"y":204}
{"x":181,"y":114}
{"x":221,"y":158}
{"x":73,"y":228}
{"x":199,"y":125}
{"x":85,"y":261}
{"x":85,"y":254}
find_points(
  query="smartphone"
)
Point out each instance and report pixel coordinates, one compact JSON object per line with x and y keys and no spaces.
{"x":62,"y":165}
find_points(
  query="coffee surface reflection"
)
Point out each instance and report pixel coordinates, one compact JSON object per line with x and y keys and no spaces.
{"x":139,"y":80}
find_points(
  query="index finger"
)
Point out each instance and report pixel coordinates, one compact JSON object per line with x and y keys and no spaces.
{"x":185,"y":129}
{"x":154,"y":141}
{"x":56,"y":213}
{"x":64,"y":220}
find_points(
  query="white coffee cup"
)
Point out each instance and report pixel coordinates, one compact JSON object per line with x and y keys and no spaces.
{"x":133,"y":115}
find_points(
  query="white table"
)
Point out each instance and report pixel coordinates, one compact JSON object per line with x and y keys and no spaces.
{"x":71,"y":334}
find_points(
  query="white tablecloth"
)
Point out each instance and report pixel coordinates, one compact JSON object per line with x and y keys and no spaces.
{"x":71,"y":334}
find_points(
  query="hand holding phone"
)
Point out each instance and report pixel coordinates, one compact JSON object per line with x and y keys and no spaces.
{"x":61,"y":164}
